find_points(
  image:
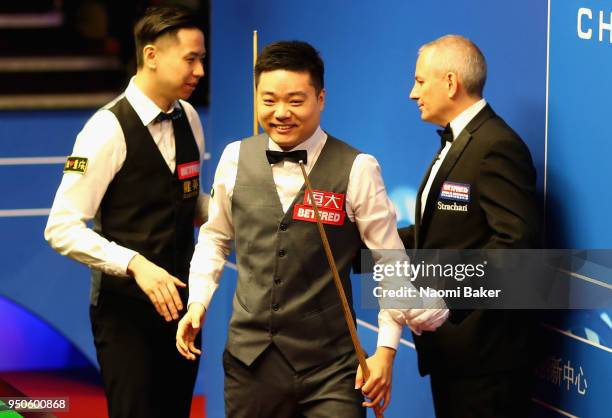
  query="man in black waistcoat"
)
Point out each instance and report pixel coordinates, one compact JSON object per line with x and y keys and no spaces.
{"x":479,"y":361}
{"x":135,"y":171}
{"x":289,"y":353}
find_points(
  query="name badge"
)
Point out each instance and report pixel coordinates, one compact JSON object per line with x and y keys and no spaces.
{"x":330,"y":205}
{"x":458,"y":192}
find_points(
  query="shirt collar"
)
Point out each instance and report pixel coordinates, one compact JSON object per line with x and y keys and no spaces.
{"x":312,"y":145}
{"x":145,"y":108}
{"x":460,"y":122}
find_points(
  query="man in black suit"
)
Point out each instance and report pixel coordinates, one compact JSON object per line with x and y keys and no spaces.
{"x":478,"y":360}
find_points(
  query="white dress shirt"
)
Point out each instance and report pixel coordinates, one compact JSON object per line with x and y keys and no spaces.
{"x":78,"y":197}
{"x":457,"y":125}
{"x":367,"y":204}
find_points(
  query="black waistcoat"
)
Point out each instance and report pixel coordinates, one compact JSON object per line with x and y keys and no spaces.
{"x":146,"y":207}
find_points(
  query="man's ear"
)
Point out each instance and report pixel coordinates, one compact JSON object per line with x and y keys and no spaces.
{"x":452,"y":84}
{"x":149,"y":54}
{"x":321,"y":99}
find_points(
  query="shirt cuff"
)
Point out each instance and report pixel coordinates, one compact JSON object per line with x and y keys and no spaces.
{"x":201,"y":291}
{"x":118,"y":259}
{"x":389,"y":331}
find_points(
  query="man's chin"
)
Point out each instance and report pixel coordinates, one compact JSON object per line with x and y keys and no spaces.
{"x":186,"y":92}
{"x":285,"y":142}
{"x":427,"y":118}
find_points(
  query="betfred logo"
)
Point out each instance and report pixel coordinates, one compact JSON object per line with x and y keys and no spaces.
{"x":188,"y":170}
{"x":455,"y":191}
{"x":307,"y":213}
{"x":330,"y":206}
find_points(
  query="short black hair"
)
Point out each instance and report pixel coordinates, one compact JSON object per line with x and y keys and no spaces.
{"x":295,"y":56}
{"x":158,"y":21}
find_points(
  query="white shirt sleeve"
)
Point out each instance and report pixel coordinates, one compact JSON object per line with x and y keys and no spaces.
{"x":370,"y":207}
{"x":217,"y":234}
{"x":78,"y":198}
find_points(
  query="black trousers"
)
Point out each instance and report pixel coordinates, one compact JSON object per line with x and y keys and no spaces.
{"x":498,"y":395}
{"x":271,"y":388}
{"x":144,"y":375}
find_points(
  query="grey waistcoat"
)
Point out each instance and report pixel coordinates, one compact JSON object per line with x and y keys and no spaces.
{"x":285,"y":293}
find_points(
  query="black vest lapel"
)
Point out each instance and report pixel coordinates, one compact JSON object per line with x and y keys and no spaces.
{"x":449,"y":162}
{"x":417,"y":207}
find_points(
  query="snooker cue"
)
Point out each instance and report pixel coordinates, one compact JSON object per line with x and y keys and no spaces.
{"x":345,"y":306}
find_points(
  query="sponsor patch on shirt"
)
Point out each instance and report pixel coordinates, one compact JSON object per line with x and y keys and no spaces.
{"x":75,"y":165}
{"x":191,"y":187}
{"x":188,"y":170}
{"x":330,"y":205}
{"x":459,"y":192}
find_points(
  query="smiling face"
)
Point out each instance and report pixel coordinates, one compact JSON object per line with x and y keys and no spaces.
{"x":178,"y":63}
{"x":431,"y":90}
{"x":288,"y":106}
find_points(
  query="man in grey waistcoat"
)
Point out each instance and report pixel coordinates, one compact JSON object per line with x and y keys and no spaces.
{"x":289,"y":352}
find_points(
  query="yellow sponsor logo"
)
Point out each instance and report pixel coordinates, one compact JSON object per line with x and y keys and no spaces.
{"x":75,"y":165}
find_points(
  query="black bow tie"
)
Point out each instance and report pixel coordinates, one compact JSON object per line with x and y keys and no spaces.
{"x":446,"y":135}
{"x":278,"y":156}
{"x":174,"y":115}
